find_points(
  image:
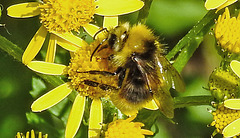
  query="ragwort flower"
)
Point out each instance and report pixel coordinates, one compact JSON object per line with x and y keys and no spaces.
{"x":232,"y":127}
{"x":32,"y":135}
{"x":60,"y":17}
{"x":84,"y":78}
{"x":227,"y":32}
{"x":227,"y":115}
{"x":218,"y":4}
{"x":226,"y":120}
{"x":126,"y":129}
{"x":85,"y":83}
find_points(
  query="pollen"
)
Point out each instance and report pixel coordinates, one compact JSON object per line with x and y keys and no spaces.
{"x":227,"y":32}
{"x":66,"y":15}
{"x":223,"y":84}
{"x":224,"y":116}
{"x":86,"y":77}
{"x":125,"y":128}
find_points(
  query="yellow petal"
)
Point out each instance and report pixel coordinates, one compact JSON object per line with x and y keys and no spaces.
{"x":213,"y":4}
{"x":67,"y":45}
{"x":72,"y":39}
{"x":51,"y":98}
{"x":232,"y":129}
{"x":131,"y":118}
{"x":151,"y":105}
{"x":35,"y":45}
{"x":117,"y":7}
{"x":27,"y":135}
{"x":232,"y":104}
{"x":18,"y":135}
{"x":50,"y":56}
{"x":229,"y":2}
{"x":146,"y":132}
{"x":75,"y":117}
{"x":32,"y":134}
{"x":40,"y":135}
{"x":235,"y":66}
{"x":47,"y":68}
{"x":96,"y":118}
{"x":91,"y":29}
{"x":110,"y":21}
{"x":24,"y":10}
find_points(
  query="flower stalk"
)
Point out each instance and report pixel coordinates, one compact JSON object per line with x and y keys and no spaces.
{"x":185,"y":48}
{"x":143,"y":13}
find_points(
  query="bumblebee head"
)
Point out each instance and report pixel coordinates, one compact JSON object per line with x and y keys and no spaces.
{"x":118,"y":36}
{"x":125,"y":41}
{"x":113,"y":38}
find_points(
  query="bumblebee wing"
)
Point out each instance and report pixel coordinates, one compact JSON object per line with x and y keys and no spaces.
{"x":169,"y":74}
{"x":156,"y":84}
{"x":164,"y":101}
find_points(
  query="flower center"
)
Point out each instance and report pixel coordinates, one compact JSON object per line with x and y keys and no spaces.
{"x":126,"y":129}
{"x":224,"y":116}
{"x":86,"y":76}
{"x":227,"y":32}
{"x":66,"y":15}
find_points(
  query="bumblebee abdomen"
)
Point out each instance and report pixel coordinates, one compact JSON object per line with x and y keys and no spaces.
{"x":135,"y":90}
{"x":135,"y":93}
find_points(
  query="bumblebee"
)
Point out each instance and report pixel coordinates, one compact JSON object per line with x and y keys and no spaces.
{"x":144,"y":74}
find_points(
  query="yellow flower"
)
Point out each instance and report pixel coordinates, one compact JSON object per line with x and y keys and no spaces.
{"x":218,"y":4}
{"x":21,"y":135}
{"x":227,"y":32}
{"x":126,"y":129}
{"x":86,"y":84}
{"x":226,"y":119}
{"x":233,"y":128}
{"x":60,"y":17}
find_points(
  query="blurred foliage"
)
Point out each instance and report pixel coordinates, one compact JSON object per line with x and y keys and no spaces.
{"x":171,"y":20}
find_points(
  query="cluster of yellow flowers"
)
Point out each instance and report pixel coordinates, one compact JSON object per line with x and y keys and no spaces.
{"x":60,"y":18}
{"x":223,"y":84}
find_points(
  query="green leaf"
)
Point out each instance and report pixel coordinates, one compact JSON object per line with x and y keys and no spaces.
{"x":185,"y":48}
{"x":61,"y":110}
{"x":38,"y":87}
{"x":181,"y":102}
{"x":46,"y":123}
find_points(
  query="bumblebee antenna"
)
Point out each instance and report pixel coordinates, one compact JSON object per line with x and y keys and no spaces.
{"x":94,"y":51}
{"x":98,"y":32}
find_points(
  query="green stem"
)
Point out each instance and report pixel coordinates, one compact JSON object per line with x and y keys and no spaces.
{"x":143,"y":13}
{"x":17,"y":53}
{"x":181,"y":102}
{"x":185,"y":48}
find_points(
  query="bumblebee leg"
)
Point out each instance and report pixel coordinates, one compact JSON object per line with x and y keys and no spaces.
{"x":101,"y":86}
{"x":120,"y":71}
{"x":121,"y":77}
{"x":105,"y":73}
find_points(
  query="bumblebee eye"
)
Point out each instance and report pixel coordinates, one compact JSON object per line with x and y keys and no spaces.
{"x":124,"y":37}
{"x":112,"y":40}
